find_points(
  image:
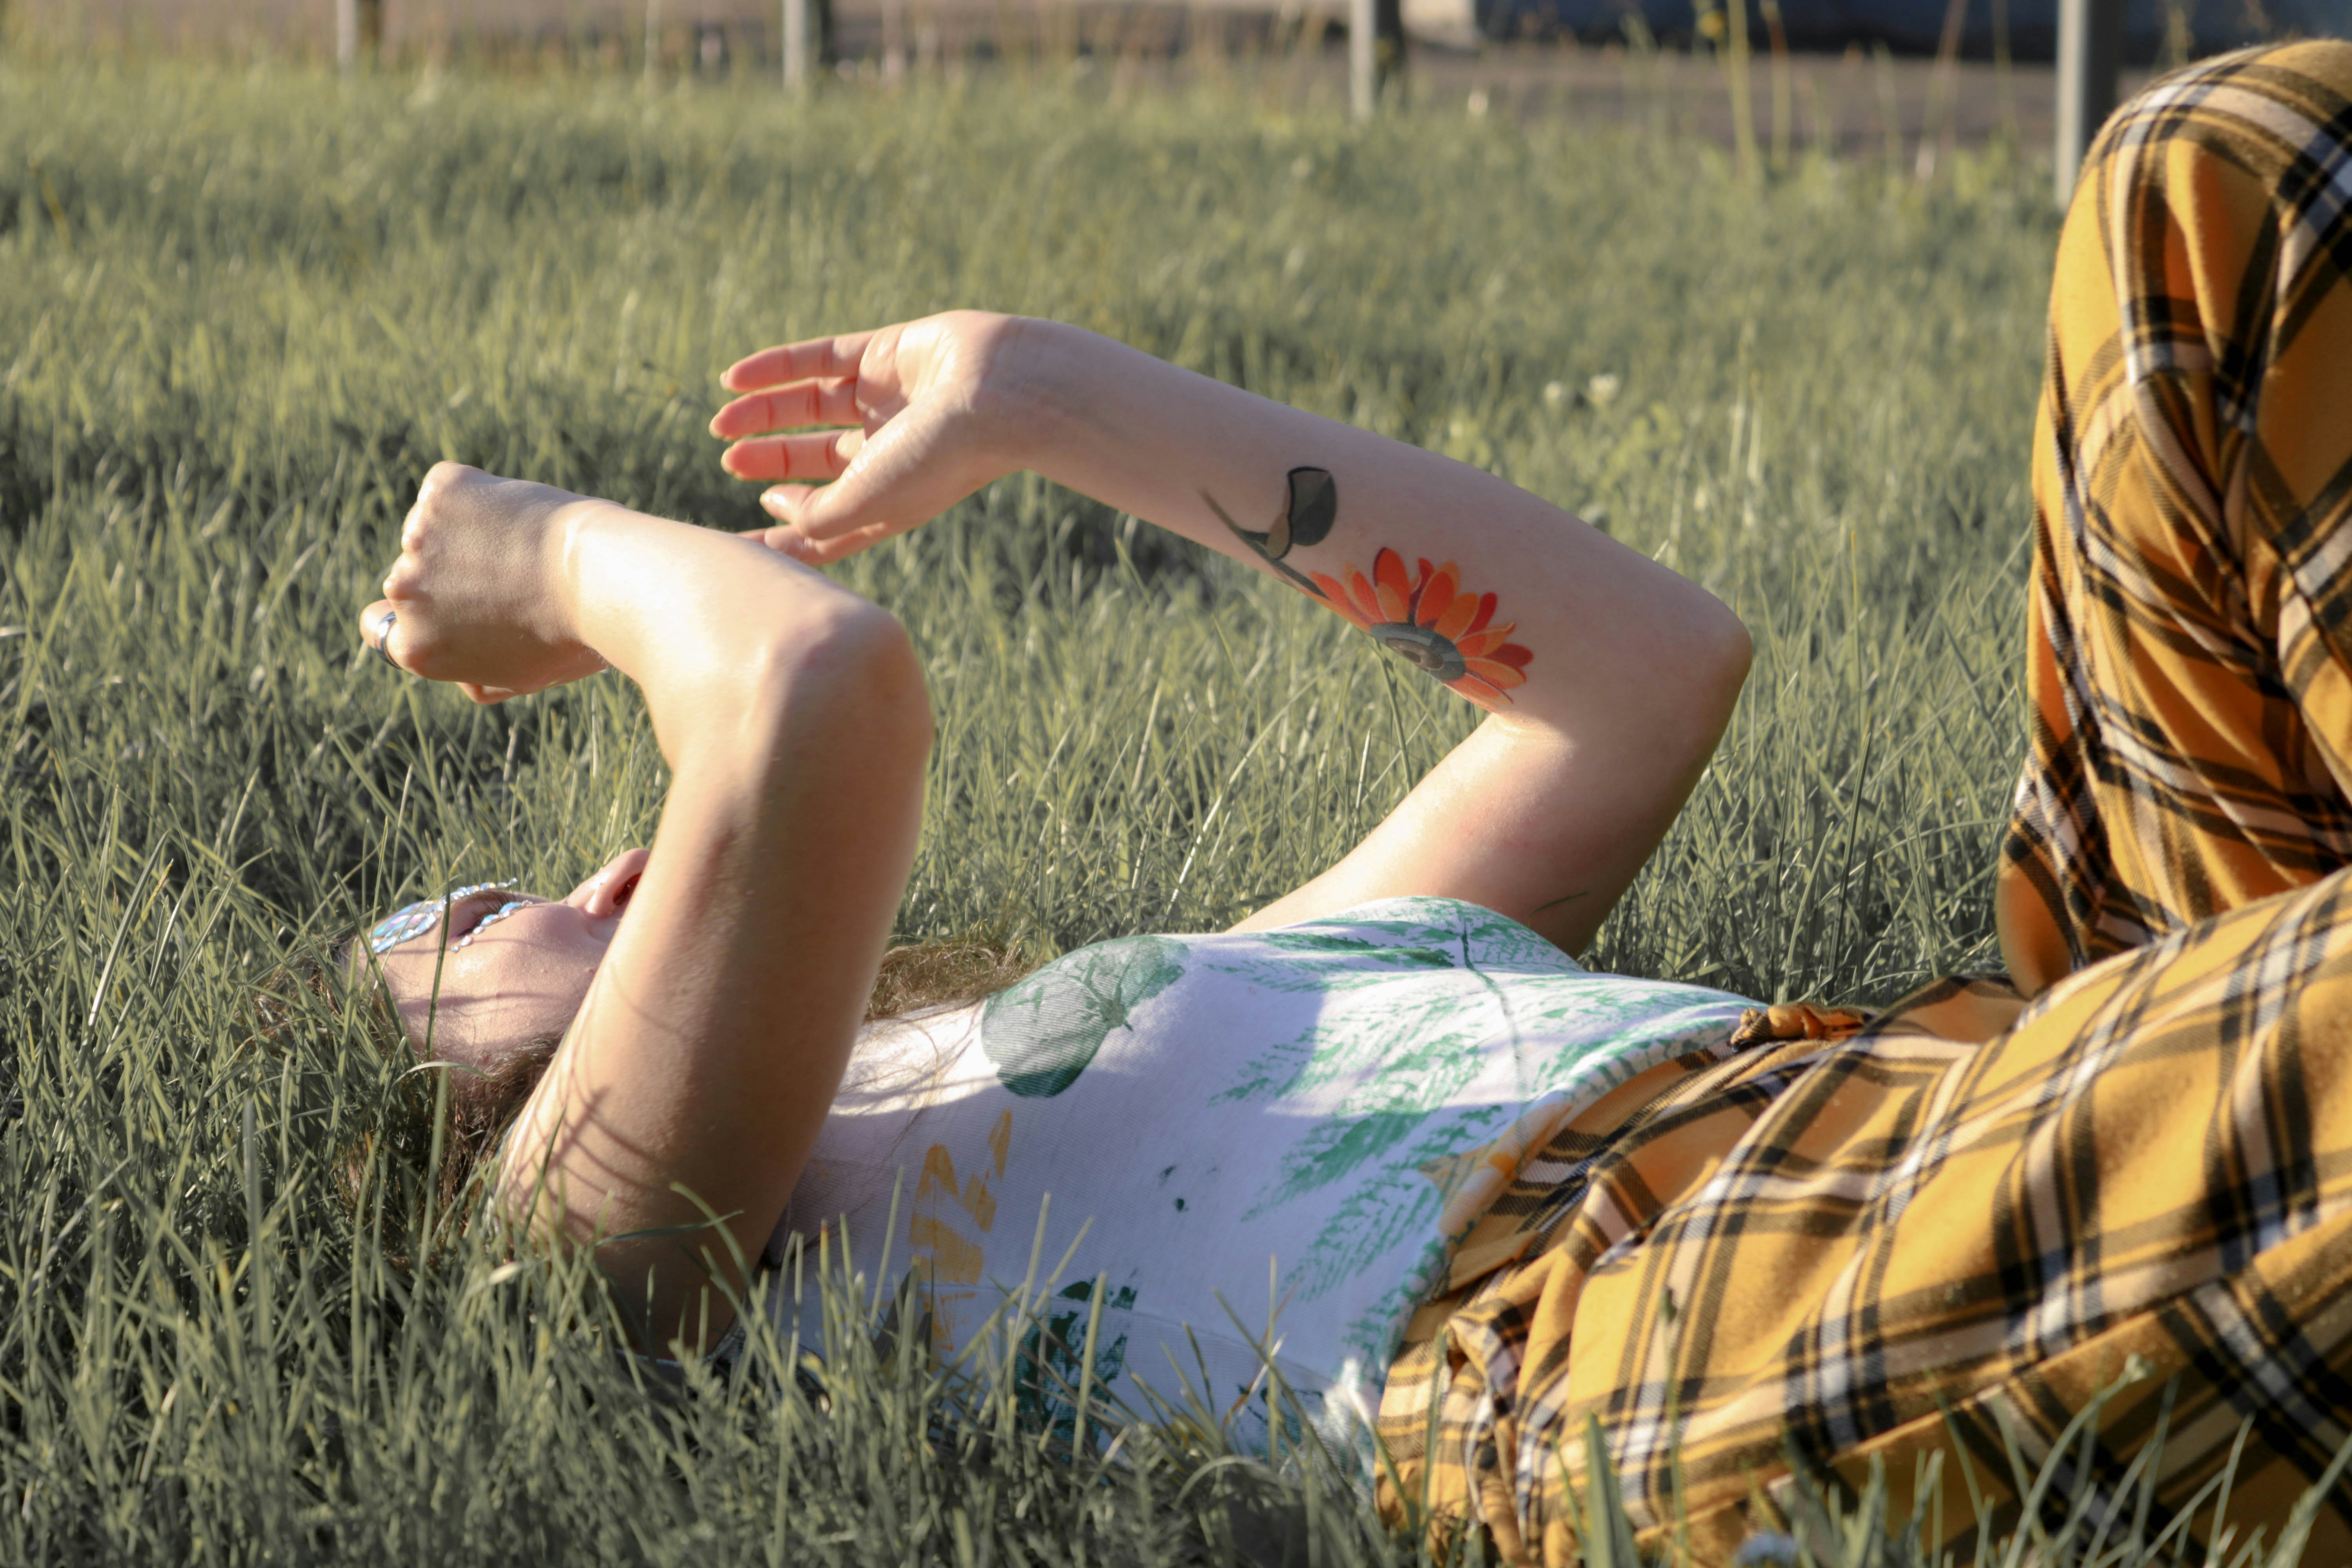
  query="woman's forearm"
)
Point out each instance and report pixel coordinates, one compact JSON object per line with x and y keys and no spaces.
{"x":1610,"y":678}
{"x":1505,"y":597}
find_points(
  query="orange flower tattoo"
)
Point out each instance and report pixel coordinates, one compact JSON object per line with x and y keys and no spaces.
{"x":1427,"y":619}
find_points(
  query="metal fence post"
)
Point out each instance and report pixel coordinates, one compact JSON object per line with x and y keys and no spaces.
{"x":358,"y":33}
{"x":1375,"y":53}
{"x":796,"y":45}
{"x":808,"y":41}
{"x":2090,"y":54}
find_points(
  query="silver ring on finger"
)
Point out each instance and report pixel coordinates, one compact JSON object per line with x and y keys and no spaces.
{"x":384,"y":639}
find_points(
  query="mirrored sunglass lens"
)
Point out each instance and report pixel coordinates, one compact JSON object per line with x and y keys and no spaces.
{"x":399,"y":926}
{"x":417,"y":918}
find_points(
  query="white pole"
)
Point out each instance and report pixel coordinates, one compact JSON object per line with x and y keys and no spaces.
{"x":347,"y":35}
{"x":1363,"y":59}
{"x":1375,"y":53}
{"x":894,"y":41}
{"x":2090,"y":52}
{"x":796,"y":45}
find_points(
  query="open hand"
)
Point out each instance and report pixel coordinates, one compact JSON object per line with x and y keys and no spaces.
{"x":475,"y":592}
{"x":899,"y":425}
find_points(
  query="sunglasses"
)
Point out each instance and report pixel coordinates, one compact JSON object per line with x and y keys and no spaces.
{"x":414,"y":919}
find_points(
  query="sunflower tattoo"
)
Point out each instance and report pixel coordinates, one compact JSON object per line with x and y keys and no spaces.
{"x":1426,"y":616}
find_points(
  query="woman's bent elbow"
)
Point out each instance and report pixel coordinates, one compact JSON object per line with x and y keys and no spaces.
{"x":1713,"y":655}
{"x":1733,"y":651}
{"x":850,"y":665}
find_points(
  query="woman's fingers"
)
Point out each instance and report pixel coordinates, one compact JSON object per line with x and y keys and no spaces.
{"x":823,"y":455}
{"x":374,"y":627}
{"x":786,"y":539}
{"x":909,"y":472}
{"x":911,"y":457}
{"x":792,"y":407}
{"x":410,"y":639}
{"x":808,"y":360}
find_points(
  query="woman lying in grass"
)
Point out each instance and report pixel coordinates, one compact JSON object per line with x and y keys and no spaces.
{"x":1513,"y":1201}
{"x":1302,"y":1094}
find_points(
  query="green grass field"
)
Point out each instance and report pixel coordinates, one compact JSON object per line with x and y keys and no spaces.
{"x":241,"y":312}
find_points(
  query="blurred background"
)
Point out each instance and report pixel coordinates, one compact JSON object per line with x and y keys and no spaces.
{"x":726,"y":34}
{"x":1848,"y":76}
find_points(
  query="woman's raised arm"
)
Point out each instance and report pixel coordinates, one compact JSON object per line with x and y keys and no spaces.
{"x":1608,"y":677}
{"x":794,"y":722}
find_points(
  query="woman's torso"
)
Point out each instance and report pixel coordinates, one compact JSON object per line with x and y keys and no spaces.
{"x":1269,"y":1136}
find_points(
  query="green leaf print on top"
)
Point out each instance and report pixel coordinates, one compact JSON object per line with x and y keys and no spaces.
{"x":1428,"y":935}
{"x":1050,"y":1366}
{"x":1041,"y":1034}
{"x":1392,"y":1200}
{"x":1314,"y":944}
{"x":1410,"y":1054}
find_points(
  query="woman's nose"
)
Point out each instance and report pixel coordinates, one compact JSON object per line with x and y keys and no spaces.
{"x":607,"y":893}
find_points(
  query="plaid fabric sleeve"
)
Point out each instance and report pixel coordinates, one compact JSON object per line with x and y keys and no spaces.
{"x":2191,"y":603}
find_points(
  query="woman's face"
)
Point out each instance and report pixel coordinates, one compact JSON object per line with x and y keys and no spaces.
{"x":513,"y":967}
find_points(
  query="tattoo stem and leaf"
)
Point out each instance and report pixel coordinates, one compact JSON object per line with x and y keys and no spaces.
{"x":1311,"y":507}
{"x":1424,"y":616}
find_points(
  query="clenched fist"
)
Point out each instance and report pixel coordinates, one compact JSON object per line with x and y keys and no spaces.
{"x":477,"y":594}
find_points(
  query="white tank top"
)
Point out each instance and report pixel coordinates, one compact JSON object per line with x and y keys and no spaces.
{"x":1271,"y":1139}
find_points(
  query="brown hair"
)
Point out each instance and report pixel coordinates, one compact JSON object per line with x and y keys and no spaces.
{"x":330,"y":998}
